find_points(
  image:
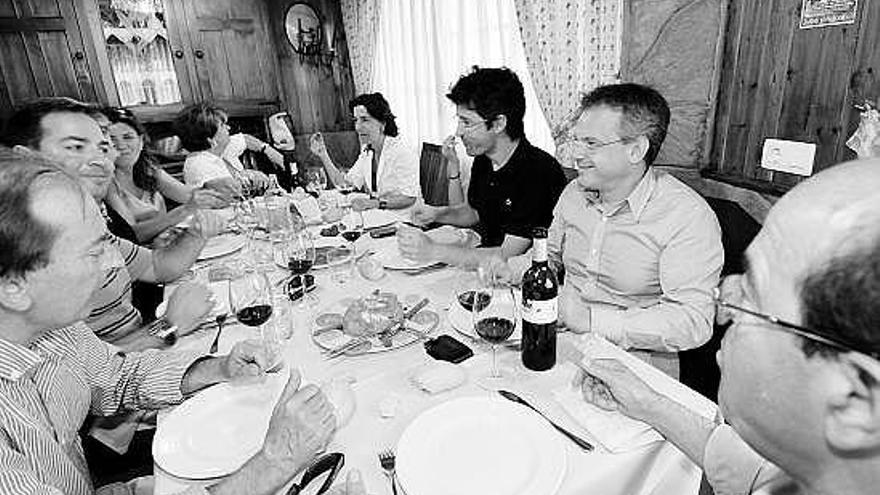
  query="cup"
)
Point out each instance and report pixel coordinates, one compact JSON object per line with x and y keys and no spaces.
{"x":340,"y":261}
{"x":280,"y":326}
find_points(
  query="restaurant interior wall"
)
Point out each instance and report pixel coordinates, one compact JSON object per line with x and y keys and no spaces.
{"x":780,"y":81}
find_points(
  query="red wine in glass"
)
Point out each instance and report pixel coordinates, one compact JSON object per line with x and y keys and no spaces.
{"x":351,"y":235}
{"x":495,"y":330}
{"x":466,"y":299}
{"x":254,"y":316}
{"x":299,"y":266}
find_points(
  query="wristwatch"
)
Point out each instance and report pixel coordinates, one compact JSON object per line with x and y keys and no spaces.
{"x":164,"y":330}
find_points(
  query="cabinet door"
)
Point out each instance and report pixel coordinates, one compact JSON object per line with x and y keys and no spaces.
{"x":234,"y":58}
{"x":41,"y":53}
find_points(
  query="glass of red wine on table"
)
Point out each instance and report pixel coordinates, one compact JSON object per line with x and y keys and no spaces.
{"x":250,"y":299}
{"x":492,"y":310}
{"x":301,"y":254}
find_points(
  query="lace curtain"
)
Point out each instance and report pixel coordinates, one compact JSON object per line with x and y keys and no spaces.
{"x":571,"y":46}
{"x":361,"y":21}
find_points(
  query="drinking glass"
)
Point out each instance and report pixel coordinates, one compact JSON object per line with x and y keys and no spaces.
{"x":340,"y":261}
{"x":300,"y":257}
{"x":250,"y":300}
{"x":316,"y":181}
{"x":494,"y":317}
{"x":354,"y":228}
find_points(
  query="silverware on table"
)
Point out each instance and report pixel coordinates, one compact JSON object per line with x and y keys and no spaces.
{"x":220,"y":319}
{"x":571,"y":436}
{"x":384,"y":335}
{"x":387,"y":461}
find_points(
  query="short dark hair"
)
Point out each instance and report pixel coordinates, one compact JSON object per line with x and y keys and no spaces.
{"x":144,"y":171}
{"x":492,"y":92}
{"x":842,"y":296}
{"x":645,"y":112}
{"x":24,"y":241}
{"x":197,"y":124}
{"x":377,"y":106}
{"x":25,"y":126}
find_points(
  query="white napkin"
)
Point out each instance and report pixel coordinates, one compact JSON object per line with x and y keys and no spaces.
{"x":438,"y":376}
{"x":614,"y":430}
{"x":309,"y":209}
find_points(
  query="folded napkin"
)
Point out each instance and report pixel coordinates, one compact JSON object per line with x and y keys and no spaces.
{"x":438,"y":376}
{"x":612,"y":429}
{"x":308,"y":208}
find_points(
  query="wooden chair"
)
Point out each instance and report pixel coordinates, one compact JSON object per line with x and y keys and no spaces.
{"x":432,"y":175}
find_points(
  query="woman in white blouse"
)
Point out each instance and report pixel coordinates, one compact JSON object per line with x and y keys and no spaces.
{"x":387,"y":168}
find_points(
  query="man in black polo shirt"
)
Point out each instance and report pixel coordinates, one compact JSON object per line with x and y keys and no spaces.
{"x":514,"y":185}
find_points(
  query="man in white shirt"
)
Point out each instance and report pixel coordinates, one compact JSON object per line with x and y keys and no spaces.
{"x":800,"y":363}
{"x":387,"y":168}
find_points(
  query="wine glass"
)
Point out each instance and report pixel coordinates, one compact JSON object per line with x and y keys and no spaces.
{"x":301,"y":253}
{"x":316,"y":181}
{"x":354,"y":227}
{"x":494,"y":317}
{"x":250,"y":299}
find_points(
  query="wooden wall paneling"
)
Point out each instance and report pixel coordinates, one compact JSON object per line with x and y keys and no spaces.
{"x":20,"y":82}
{"x":729,"y":60}
{"x":7,"y":8}
{"x":865,"y":79}
{"x":45,"y":8}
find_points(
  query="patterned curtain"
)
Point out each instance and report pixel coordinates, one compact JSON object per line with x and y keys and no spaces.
{"x":571,"y":47}
{"x":361,"y":21}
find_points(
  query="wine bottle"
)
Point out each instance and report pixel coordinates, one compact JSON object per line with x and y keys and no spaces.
{"x":539,"y":308}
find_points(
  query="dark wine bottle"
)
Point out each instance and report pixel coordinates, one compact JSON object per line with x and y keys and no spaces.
{"x":539,"y":308}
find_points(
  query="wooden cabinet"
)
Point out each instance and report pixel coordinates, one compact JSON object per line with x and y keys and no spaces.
{"x":188,"y":51}
{"x":42,"y":53}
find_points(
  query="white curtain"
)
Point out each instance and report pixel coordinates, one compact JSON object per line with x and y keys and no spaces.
{"x":571,"y":47}
{"x":361,"y":21}
{"x":423,"y":46}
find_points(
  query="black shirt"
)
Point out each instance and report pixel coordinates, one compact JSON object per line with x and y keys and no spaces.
{"x":518,"y":197}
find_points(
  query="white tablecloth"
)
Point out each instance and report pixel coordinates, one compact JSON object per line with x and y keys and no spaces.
{"x":657,"y":469}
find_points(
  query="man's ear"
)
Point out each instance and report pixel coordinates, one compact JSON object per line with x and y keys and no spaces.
{"x":639,"y":149}
{"x":24,"y":150}
{"x":14,"y":294}
{"x":852,"y":420}
{"x":499,"y":125}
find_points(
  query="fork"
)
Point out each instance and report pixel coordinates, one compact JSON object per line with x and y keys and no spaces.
{"x":387,"y":460}
{"x":216,"y":343}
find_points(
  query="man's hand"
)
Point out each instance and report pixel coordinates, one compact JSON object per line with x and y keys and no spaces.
{"x":574,"y":312}
{"x":414,"y":244}
{"x":301,"y":425}
{"x":354,"y":485}
{"x":364,"y":204}
{"x":248,"y":359}
{"x":188,"y":306}
{"x":495,"y":269}
{"x":207,"y":224}
{"x":206,"y":199}
{"x":318,"y":146}
{"x":610,"y":384}
{"x":258,"y":180}
{"x":424,"y":214}
{"x":453,"y":166}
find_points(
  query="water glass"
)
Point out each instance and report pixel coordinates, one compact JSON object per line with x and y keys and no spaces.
{"x":340,"y":261}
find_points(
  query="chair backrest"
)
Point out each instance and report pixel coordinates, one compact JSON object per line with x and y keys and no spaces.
{"x":432,"y":175}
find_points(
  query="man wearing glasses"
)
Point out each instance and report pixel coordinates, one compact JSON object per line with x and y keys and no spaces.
{"x":513,"y":184}
{"x":800,"y":362}
{"x":640,"y":250}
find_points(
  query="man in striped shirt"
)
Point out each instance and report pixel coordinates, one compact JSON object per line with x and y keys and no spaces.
{"x":54,"y":371}
{"x":63,"y":130}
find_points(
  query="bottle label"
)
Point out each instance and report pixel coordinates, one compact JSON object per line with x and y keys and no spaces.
{"x":540,"y":312}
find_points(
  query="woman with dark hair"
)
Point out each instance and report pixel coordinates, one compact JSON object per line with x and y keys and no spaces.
{"x":387,"y":168}
{"x":141,"y":187}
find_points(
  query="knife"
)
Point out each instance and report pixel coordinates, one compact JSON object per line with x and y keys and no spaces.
{"x":389,"y":331}
{"x":571,"y":436}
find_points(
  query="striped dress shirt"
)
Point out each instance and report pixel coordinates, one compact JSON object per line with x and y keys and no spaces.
{"x":49,"y":387}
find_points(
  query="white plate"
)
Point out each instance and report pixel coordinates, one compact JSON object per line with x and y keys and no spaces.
{"x":462,"y":321}
{"x":425,"y":322}
{"x":391,"y":259}
{"x":220,"y":290}
{"x":216,"y":431}
{"x":222,"y":245}
{"x":380,"y":218}
{"x":480,"y":445}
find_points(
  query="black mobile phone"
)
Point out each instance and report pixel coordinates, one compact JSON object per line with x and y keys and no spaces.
{"x":386,"y":231}
{"x":448,"y":348}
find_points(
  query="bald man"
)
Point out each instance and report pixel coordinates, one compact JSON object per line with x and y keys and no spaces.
{"x":800,"y":363}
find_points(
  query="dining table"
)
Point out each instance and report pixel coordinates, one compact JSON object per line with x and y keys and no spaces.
{"x":386,"y":401}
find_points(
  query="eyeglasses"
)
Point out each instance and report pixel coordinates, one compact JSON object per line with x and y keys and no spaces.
{"x":319,"y":476}
{"x":591,"y":145}
{"x":468,"y":126}
{"x":723,"y":295}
